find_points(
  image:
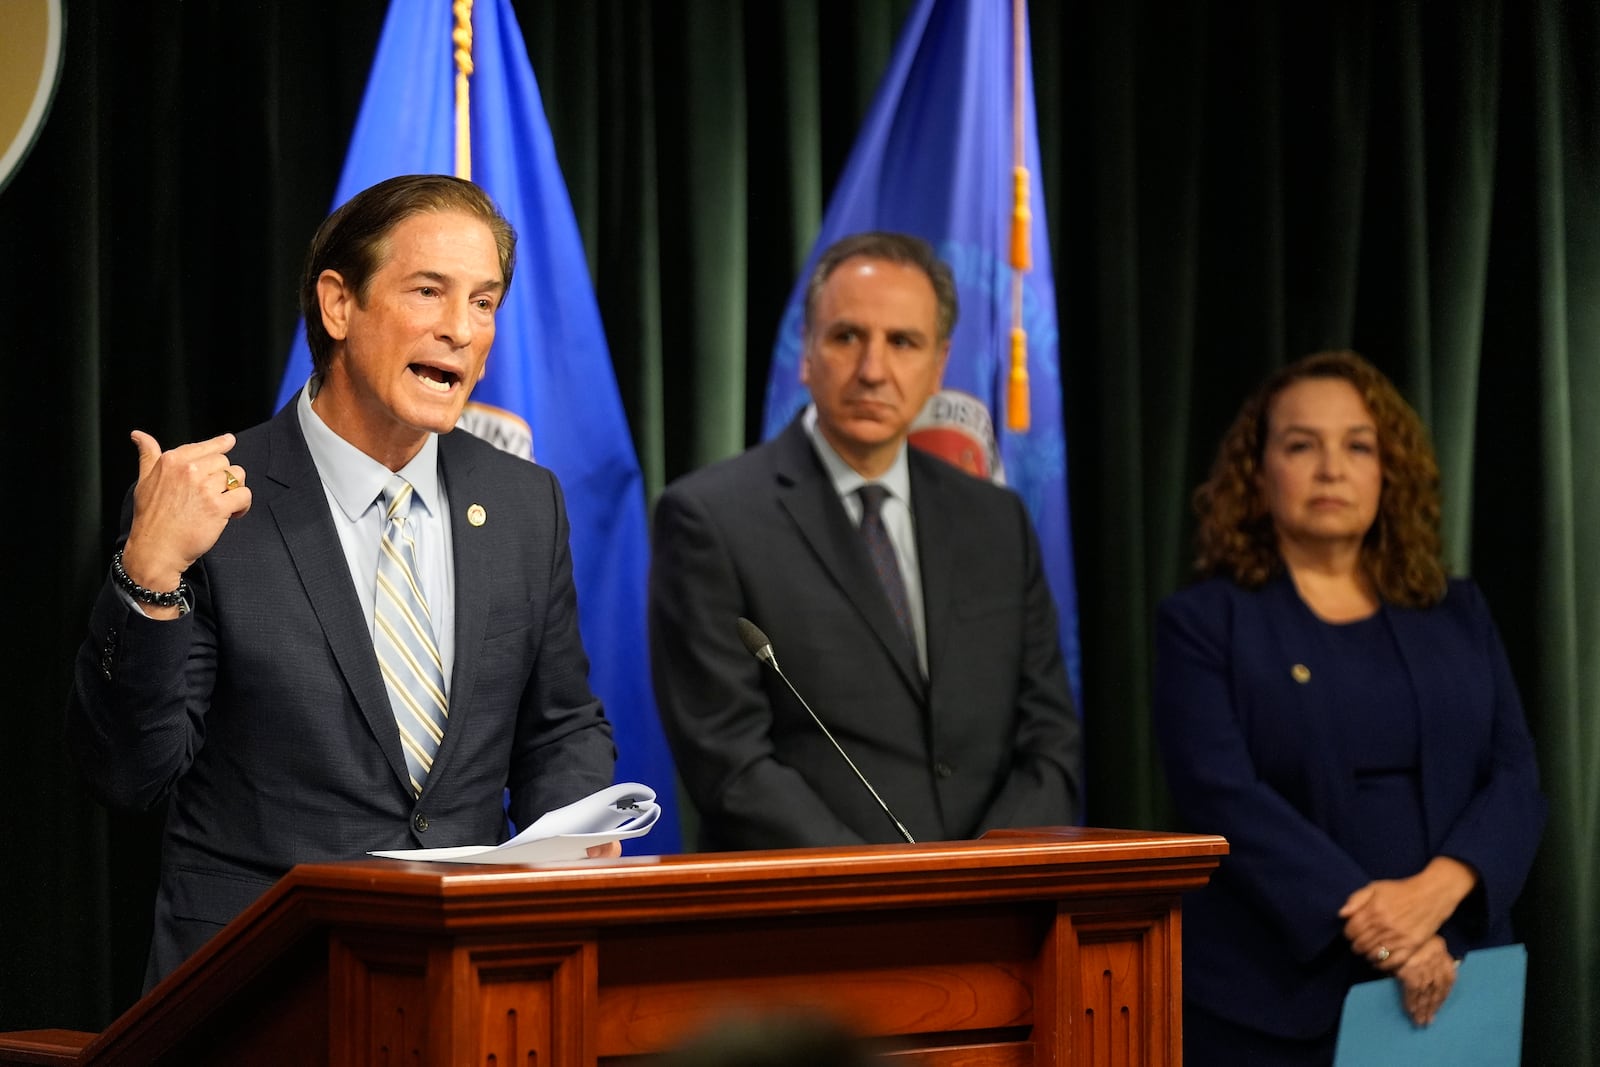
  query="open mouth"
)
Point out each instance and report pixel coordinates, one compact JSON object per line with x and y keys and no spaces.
{"x":436,"y":378}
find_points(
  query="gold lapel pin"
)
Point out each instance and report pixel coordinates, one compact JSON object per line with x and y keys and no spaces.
{"x":1300,"y":673}
{"x":476,"y":515}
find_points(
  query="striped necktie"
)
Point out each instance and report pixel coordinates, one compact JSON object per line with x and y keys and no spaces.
{"x":402,"y":634}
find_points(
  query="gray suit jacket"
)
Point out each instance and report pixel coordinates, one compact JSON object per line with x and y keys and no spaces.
{"x":989,"y":739}
{"x":261,"y":715}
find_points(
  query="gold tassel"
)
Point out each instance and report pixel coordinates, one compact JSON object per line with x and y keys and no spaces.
{"x":1018,"y":406}
{"x":1021,"y":221}
{"x":1019,"y":416}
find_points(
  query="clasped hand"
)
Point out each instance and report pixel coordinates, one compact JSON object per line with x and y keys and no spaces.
{"x":1386,"y":921}
{"x":1426,"y":979}
{"x":1394,"y":924}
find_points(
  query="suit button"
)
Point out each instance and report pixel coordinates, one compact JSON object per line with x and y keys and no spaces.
{"x":943,"y":769}
{"x":420,"y":821}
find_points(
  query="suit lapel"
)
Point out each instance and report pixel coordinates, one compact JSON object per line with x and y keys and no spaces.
{"x":1420,"y":651}
{"x":1310,"y":699}
{"x":301,"y":514}
{"x":463,"y":488}
{"x":807,"y":495}
{"x":936,"y":555}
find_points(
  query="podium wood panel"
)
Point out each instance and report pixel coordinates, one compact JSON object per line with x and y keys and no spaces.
{"x":1036,"y":948}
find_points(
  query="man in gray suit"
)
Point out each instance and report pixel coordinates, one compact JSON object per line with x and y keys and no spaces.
{"x":904,"y":597}
{"x":243,"y":662}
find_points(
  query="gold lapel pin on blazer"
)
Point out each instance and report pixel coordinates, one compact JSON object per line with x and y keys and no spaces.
{"x":1300,"y":673}
{"x":476,"y":515}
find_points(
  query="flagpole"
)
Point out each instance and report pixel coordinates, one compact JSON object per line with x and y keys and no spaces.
{"x":1018,"y":415}
{"x":461,"y":37}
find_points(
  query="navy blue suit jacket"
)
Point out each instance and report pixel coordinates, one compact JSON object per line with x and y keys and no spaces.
{"x":1259,"y":756}
{"x":261,"y":715}
{"x":989,"y":739}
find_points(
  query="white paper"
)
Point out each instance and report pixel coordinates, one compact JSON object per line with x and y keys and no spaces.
{"x":612,"y":814}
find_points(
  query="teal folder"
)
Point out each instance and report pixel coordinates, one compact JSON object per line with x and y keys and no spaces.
{"x":1480,"y":1022}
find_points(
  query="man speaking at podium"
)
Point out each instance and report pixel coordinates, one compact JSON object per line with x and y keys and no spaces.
{"x":349,"y":628}
{"x":903,"y":598}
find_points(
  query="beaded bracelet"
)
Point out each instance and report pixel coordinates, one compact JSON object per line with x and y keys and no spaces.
{"x":178,"y":598}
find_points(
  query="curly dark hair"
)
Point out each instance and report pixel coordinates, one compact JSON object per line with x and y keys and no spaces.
{"x":1401,"y":553}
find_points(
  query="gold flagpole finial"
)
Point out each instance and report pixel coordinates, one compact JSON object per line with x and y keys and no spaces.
{"x":461,"y":37}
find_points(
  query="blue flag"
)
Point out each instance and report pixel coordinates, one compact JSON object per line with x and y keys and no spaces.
{"x":550,"y":392}
{"x":935,"y":159}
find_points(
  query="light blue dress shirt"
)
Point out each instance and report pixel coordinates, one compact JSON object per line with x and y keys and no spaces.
{"x":354,"y":484}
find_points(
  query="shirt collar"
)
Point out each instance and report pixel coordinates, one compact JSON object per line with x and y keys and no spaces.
{"x":846,"y":480}
{"x":354,"y":479}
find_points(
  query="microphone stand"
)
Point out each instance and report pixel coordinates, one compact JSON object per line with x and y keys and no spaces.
{"x":760,"y":647}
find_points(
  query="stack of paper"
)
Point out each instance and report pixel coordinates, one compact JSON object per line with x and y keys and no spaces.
{"x":612,"y":814}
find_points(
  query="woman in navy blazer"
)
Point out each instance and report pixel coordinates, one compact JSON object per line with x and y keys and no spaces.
{"x":1343,"y":712}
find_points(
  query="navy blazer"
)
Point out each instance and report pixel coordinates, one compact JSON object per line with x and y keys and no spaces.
{"x":1256,"y":754}
{"x":989,"y":739}
{"x":261,"y":715}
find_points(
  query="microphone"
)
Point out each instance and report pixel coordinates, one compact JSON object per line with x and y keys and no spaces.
{"x":760,"y":646}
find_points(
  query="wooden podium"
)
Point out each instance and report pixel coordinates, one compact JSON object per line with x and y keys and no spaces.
{"x":1028,"y":947}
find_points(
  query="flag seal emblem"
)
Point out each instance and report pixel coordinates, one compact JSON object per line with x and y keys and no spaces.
{"x":506,"y":430}
{"x":957,"y":427}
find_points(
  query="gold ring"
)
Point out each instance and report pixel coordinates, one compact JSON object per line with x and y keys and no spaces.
{"x":233,"y":483}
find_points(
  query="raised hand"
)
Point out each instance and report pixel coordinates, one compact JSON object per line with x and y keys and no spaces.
{"x":183,"y":500}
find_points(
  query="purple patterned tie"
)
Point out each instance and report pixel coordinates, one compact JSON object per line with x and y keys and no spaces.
{"x":881,"y":550}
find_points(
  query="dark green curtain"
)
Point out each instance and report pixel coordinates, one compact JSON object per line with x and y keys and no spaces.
{"x":1228,"y":185}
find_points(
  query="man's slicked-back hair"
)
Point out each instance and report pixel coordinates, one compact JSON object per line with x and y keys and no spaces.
{"x":354,"y":240}
{"x":901,"y":248}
